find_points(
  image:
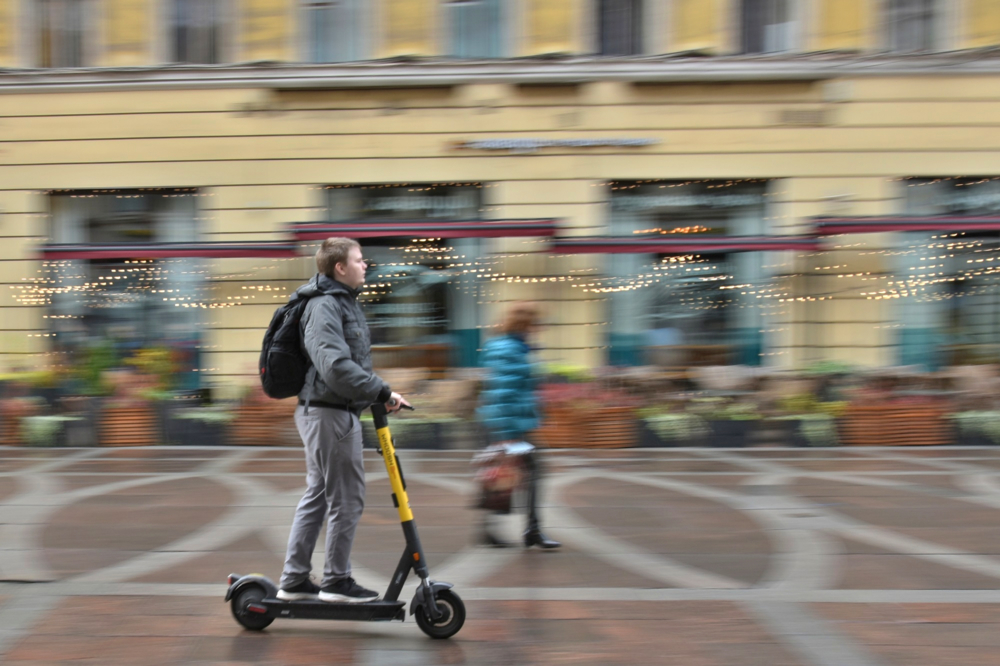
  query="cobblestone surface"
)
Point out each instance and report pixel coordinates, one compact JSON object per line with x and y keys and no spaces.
{"x":826,"y":557}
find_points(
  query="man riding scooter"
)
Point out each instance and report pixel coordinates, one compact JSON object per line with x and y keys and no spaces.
{"x":339,"y":385}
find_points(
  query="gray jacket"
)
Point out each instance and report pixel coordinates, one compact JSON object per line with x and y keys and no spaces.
{"x":335,"y":336}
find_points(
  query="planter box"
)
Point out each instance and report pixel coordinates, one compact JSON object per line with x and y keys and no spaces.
{"x":12,"y":410}
{"x":731,"y":434}
{"x":647,"y":437}
{"x":427,"y":435}
{"x":81,"y":432}
{"x":973,"y":440}
{"x":896,"y":425}
{"x":181,"y":431}
{"x":589,"y":427}
{"x":269,"y":423}
{"x":782,"y":432}
{"x":47,"y":430}
{"x":129,"y":426}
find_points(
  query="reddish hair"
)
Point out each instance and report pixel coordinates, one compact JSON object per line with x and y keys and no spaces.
{"x":520,"y":317}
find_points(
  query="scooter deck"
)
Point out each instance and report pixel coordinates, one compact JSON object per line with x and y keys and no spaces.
{"x":370,"y":611}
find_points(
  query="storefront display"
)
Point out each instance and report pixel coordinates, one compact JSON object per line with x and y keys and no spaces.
{"x":421,"y":296}
{"x":123,"y":305}
{"x":690,"y":307}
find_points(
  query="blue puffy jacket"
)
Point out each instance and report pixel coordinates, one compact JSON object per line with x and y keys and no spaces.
{"x":508,"y":406}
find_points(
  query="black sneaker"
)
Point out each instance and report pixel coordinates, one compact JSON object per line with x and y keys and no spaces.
{"x":346,"y":591}
{"x":304,"y":591}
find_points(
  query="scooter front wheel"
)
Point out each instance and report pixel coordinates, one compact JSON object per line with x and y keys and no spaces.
{"x":451,"y":620}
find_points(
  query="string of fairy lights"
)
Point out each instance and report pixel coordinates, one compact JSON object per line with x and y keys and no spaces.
{"x":935,"y":267}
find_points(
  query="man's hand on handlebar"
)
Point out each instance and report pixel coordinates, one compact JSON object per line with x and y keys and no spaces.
{"x":396,"y":403}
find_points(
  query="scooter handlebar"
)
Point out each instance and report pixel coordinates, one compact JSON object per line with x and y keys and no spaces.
{"x":380,"y":414}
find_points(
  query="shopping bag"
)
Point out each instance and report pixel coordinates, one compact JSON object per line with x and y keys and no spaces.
{"x":498,"y":474}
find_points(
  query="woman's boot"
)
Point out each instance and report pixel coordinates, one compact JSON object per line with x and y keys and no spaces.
{"x":533,"y":535}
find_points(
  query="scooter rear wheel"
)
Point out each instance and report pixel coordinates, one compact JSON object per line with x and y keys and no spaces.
{"x":253,"y":621}
{"x":452,"y":619}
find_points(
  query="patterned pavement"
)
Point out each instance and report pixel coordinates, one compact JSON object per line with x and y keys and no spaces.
{"x":829,"y":557}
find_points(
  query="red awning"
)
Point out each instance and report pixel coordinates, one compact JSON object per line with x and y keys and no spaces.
{"x":309,"y":231}
{"x":208,"y":250}
{"x":829,"y":226}
{"x":691,"y":245}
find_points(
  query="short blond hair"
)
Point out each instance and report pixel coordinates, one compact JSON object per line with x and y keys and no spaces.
{"x":520,"y":317}
{"x":333,"y":251}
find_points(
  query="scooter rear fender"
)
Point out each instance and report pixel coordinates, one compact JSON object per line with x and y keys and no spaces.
{"x":252,"y":579}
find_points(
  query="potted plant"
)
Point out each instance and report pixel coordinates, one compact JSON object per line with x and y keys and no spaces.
{"x":897,"y":421}
{"x":45,"y":430}
{"x":198,"y":426}
{"x":810,"y":422}
{"x":731,"y":424}
{"x":680,"y":428}
{"x":587,"y":415}
{"x":16,"y":405}
{"x":976,"y":428}
{"x":433,"y":432}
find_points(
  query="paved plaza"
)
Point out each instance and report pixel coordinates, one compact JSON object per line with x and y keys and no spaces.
{"x":830,"y":557}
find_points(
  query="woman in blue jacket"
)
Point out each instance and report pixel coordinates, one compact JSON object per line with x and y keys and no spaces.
{"x":509,"y":407}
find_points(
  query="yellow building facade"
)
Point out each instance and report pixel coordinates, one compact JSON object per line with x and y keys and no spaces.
{"x":657,"y":174}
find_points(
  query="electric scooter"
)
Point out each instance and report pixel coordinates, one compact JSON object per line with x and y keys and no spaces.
{"x":439,"y":612}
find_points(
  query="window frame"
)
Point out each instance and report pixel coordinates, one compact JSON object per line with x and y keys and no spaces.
{"x":360,"y":47}
{"x":938,"y":23}
{"x":88,"y":33}
{"x":640,"y":33}
{"x":224,"y":38}
{"x":502,"y":37}
{"x":792,"y":33}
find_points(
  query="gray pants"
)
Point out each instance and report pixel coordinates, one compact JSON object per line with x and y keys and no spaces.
{"x":335,"y":476}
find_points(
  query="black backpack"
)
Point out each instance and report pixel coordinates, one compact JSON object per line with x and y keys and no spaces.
{"x":283,"y":364}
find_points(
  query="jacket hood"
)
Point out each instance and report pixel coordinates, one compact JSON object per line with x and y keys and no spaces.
{"x":321,"y":284}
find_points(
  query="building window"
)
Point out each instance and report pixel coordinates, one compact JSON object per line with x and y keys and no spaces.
{"x":331,"y":30}
{"x":476,"y":28}
{"x":196,"y":28}
{"x":421,"y":295}
{"x":127,"y":304}
{"x":691,"y":309}
{"x":61,"y":33}
{"x":912,"y":24}
{"x":620,"y":27}
{"x":768,"y":26}
{"x":946,"y":291}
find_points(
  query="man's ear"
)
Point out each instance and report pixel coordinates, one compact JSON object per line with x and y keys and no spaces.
{"x":338,"y":268}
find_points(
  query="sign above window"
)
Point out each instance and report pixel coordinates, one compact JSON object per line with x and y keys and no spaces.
{"x":523,"y":145}
{"x":405,"y":201}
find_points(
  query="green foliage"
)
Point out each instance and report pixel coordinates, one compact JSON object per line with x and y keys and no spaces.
{"x":823,"y":368}
{"x":817,"y":428}
{"x":678,"y":427}
{"x":205,"y":415}
{"x":157,"y":362}
{"x":97,"y":359}
{"x":36,"y":379}
{"x":721,"y":409}
{"x":979,"y":423}
{"x":572,"y":373}
{"x":806,"y":403}
{"x":44,"y":430}
{"x":834,"y":408}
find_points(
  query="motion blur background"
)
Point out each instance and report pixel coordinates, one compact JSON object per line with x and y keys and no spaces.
{"x":703,"y":195}
{"x":750,"y":224}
